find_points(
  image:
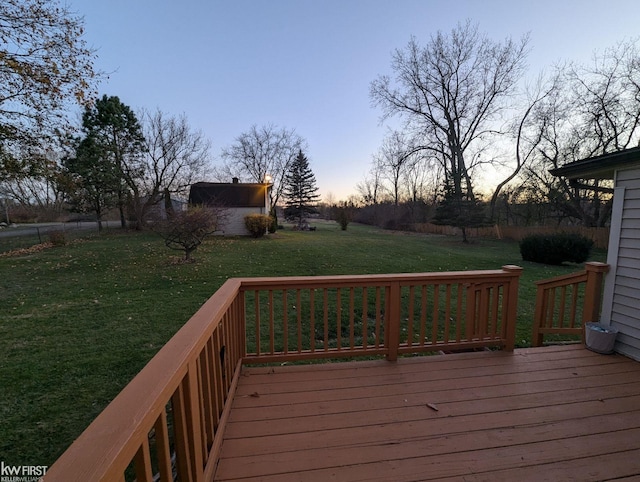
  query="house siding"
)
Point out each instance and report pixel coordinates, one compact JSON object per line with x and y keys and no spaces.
{"x":624,"y":291}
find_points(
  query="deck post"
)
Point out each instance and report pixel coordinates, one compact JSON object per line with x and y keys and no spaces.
{"x":538,"y":316}
{"x":392,"y":336}
{"x":512,"y":305}
{"x":593,"y":290}
{"x":240,"y":319}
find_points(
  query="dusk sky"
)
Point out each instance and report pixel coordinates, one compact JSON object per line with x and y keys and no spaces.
{"x":307,"y":64}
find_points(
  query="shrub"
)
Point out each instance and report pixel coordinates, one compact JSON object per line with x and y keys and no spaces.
{"x":186,"y":230}
{"x":556,"y":248}
{"x":343,"y":221}
{"x":257,"y":224}
{"x":343,"y":215}
{"x":58,"y":238}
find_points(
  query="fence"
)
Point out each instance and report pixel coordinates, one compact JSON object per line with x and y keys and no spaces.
{"x":599,"y":236}
{"x":25,"y":236}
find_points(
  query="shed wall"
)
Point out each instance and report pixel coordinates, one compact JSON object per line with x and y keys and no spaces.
{"x":234,"y":224}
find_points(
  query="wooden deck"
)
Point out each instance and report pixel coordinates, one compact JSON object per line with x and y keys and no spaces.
{"x":554,"y":413}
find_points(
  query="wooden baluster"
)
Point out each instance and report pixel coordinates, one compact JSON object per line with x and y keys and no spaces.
{"x":312,"y":318}
{"x":299,"y":318}
{"x":392,"y":317}
{"x":285,"y":322}
{"x":378,"y":306}
{"x":326,"y":319}
{"x":410,"y":315}
{"x":272,"y":337}
{"x":436,"y":315}
{"x":142,"y":463}
{"x":423,"y":315}
{"x":511,"y":294}
{"x":351,"y":318}
{"x":256,"y":302}
{"x":365,"y":317}
{"x":459,"y":314}
{"x":339,"y":319}
{"x":163,"y":448}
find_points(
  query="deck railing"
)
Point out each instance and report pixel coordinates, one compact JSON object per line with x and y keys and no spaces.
{"x":298,"y":318}
{"x":170,"y":419}
{"x":166,"y":420}
{"x":565,"y":303}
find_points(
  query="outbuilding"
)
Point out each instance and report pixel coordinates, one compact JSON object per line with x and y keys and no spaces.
{"x":236,"y":199}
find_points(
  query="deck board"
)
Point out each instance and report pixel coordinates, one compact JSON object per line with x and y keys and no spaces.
{"x":555,"y":413}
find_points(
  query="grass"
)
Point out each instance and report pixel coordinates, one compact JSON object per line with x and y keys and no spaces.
{"x":79,"y":321}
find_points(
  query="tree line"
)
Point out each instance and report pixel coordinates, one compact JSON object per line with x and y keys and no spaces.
{"x":475,"y":145}
{"x":115,"y":159}
{"x":472,"y":143}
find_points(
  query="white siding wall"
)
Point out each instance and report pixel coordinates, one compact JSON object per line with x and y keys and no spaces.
{"x":621,"y":306}
{"x":234,"y":225}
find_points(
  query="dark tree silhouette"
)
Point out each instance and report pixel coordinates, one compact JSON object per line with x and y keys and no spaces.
{"x":300,"y":190}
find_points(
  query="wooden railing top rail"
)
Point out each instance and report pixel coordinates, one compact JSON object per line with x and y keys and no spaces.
{"x":104,"y":450}
{"x":562,"y":280}
{"x":592,"y":266}
{"x":506,"y":272}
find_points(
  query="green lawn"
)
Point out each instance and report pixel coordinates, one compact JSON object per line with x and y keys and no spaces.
{"x":79,"y":321}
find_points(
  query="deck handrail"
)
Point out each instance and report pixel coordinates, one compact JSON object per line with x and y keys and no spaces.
{"x":119,"y":436}
{"x":565,"y":303}
{"x":170,"y":418}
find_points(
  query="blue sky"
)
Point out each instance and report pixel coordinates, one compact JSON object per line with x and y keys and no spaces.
{"x":307,"y":64}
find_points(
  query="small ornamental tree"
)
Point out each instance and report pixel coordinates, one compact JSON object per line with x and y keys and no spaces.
{"x":300,"y":190}
{"x":343,"y":214}
{"x":185,"y":230}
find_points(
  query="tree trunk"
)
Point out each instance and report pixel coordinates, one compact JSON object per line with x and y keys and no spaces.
{"x":123,"y":220}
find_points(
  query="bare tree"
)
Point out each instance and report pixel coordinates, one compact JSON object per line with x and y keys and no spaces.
{"x":45,"y":65}
{"x":261,"y":152}
{"x":595,"y":110}
{"x":186,"y":230}
{"x":32,"y":179}
{"x":606,"y":98}
{"x":176,"y":156}
{"x":528,"y":132}
{"x":421,"y":178}
{"x":450,"y":93}
{"x":371,"y":187}
{"x":393,"y":159}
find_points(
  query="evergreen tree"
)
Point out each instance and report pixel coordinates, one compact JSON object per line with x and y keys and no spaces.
{"x":118,"y":137}
{"x":92,"y":179}
{"x":300,"y":190}
{"x":460,"y":211}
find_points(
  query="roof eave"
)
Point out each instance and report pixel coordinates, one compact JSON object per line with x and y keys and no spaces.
{"x":599,"y":167}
